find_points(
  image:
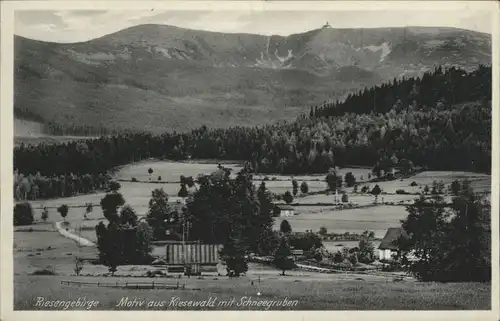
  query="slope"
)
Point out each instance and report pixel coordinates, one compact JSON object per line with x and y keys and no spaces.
{"x":158,"y":78}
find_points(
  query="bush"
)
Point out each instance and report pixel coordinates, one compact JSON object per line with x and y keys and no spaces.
{"x":413,"y":184}
{"x":134,"y":179}
{"x":401,"y":191}
{"x":23,"y":214}
{"x":353,"y":258}
{"x":159,"y":178}
{"x":114,"y":186}
{"x":338,"y":257}
{"x":306,"y":241}
{"x":266,"y":178}
{"x":44,"y":272}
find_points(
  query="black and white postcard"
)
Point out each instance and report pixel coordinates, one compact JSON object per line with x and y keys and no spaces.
{"x":328,"y":158}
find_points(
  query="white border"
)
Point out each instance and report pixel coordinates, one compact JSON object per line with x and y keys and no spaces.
{"x":6,"y":144}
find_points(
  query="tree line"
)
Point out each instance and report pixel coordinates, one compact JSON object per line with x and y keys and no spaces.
{"x":32,"y":187}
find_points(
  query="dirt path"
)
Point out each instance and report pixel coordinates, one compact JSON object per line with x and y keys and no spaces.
{"x":66,"y":233}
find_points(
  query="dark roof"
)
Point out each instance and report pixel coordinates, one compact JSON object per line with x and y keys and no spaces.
{"x":390,"y":238}
{"x":285,"y":207}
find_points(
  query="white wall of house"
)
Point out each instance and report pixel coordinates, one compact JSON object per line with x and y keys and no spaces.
{"x":286,"y":213}
{"x":385,"y":254}
{"x":388,"y":255}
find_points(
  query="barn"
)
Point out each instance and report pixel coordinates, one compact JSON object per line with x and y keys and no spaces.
{"x":192,"y":255}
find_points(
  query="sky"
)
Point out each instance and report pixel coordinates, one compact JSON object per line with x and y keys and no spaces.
{"x":83,"y":25}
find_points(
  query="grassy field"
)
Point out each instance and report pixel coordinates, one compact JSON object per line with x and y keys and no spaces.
{"x":327,"y":294}
{"x":480,"y":182}
{"x":45,"y":248}
{"x":169,"y":171}
{"x":377,"y":219}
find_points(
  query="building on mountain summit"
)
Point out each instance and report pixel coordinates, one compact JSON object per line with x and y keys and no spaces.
{"x":326,"y":25}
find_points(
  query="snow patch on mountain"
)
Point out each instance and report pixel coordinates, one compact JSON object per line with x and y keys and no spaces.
{"x":163,"y":51}
{"x":91,"y":58}
{"x":283,"y":59}
{"x":384,"y":47}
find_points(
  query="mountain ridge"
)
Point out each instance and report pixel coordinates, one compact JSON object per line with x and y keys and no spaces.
{"x":180,"y":78}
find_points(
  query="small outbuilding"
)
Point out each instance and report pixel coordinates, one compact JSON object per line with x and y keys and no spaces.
{"x":285,"y":210}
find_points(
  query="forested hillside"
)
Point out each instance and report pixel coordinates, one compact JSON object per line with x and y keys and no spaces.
{"x":434,"y":90}
{"x":433,"y":131}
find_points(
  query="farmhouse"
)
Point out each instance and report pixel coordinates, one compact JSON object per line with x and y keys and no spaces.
{"x":285,"y":210}
{"x":388,"y":246}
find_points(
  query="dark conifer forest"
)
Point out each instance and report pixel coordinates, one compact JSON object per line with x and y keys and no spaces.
{"x":441,"y":121}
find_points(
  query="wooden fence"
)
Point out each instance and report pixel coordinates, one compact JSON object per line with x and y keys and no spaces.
{"x":129,"y":285}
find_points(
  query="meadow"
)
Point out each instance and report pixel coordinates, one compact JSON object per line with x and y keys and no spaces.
{"x":309,"y":217}
{"x":335,"y":292}
{"x":377,"y":219}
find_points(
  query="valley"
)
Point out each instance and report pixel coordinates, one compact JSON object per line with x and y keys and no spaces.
{"x":228,"y":164}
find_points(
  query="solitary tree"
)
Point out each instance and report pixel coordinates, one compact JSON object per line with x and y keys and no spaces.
{"x":366,"y":247}
{"x":63,"y":210}
{"x":183,"y":192}
{"x":349,"y":179}
{"x":345,"y":198}
{"x":285,"y":227}
{"x":376,"y":191}
{"x":323,"y":231}
{"x":45,"y":214}
{"x":282,"y":258}
{"x":288,"y":198}
{"x":333,"y":181}
{"x":295,"y":187}
{"x":78,"y":265}
{"x":150,"y":171}
{"x":88,"y":209}
{"x":304,"y":188}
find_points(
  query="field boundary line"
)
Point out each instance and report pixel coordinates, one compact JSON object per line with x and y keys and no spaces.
{"x":129,"y":285}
